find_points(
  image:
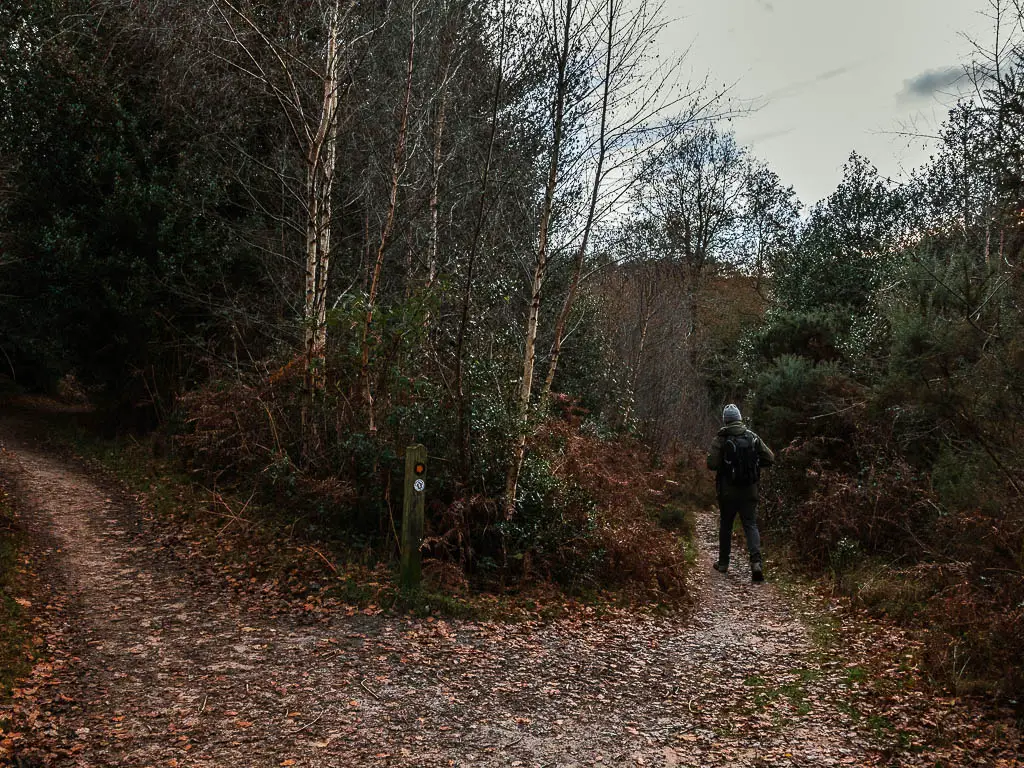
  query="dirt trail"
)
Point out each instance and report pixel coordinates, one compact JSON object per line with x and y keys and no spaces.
{"x":153,"y":667}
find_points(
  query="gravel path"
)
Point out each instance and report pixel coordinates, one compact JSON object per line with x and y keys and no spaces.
{"x":152,"y":664}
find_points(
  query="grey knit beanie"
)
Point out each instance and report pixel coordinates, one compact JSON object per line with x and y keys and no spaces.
{"x":731,"y":414}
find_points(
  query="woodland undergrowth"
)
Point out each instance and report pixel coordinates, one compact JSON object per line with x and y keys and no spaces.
{"x":919,"y":534}
{"x":597,"y":512}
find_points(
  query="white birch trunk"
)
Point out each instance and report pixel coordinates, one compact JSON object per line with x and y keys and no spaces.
{"x":539,"y":270}
{"x":320,"y":165}
{"x":595,"y":191}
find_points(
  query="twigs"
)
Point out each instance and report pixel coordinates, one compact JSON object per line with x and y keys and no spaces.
{"x":233,"y":517}
{"x":368,"y":689}
{"x":321,"y":555}
{"x":310,"y":723}
{"x":836,"y":413}
{"x":273,"y":428}
{"x":391,"y":512}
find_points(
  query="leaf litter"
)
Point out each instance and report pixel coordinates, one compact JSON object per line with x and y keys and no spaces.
{"x":155,"y":658}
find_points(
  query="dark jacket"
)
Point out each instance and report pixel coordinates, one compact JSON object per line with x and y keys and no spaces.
{"x":726,"y":491}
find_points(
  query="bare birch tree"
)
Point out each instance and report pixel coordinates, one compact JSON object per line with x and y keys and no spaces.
{"x":565,"y":32}
{"x":640,"y":107}
{"x":321,"y":161}
{"x":448,"y":66}
{"x":620,"y":108}
{"x":313,"y":119}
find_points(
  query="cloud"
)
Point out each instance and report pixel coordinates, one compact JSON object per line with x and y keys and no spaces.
{"x":932,"y":82}
{"x":765,"y":136}
{"x":832,"y":73}
{"x":803,"y":85}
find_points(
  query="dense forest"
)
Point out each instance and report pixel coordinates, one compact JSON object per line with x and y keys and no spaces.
{"x":293,"y":238}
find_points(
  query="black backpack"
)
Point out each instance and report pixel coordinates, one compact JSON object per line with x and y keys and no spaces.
{"x":741,"y":462}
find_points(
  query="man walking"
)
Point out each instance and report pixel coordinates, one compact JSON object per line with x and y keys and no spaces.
{"x":737,"y":455}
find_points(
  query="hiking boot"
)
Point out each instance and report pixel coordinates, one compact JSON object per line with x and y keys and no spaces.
{"x":756,"y":571}
{"x":721,"y":568}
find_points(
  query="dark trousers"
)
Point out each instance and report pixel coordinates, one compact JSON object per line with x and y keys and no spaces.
{"x":747,"y":510}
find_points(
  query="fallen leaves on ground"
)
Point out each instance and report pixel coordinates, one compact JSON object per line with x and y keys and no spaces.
{"x":157,"y":655}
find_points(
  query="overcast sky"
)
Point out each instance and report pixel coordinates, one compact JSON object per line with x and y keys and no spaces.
{"x":832,"y":75}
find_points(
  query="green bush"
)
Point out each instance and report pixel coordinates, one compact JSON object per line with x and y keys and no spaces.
{"x":555,"y":527}
{"x":815,"y":335}
{"x":796,"y":397}
{"x":961,"y":480}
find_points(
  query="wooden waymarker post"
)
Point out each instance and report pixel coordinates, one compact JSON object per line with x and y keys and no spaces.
{"x":412,"y":514}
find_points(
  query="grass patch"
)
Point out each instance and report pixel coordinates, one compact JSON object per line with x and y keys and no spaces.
{"x":856,"y":675}
{"x":797,"y":695}
{"x":682,"y":520}
{"x":426,"y":603}
{"x":674,"y":518}
{"x":881,"y":727}
{"x":849,"y":710}
{"x":795,"y":692}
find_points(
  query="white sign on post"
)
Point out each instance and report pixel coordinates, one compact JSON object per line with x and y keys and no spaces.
{"x":418,"y":485}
